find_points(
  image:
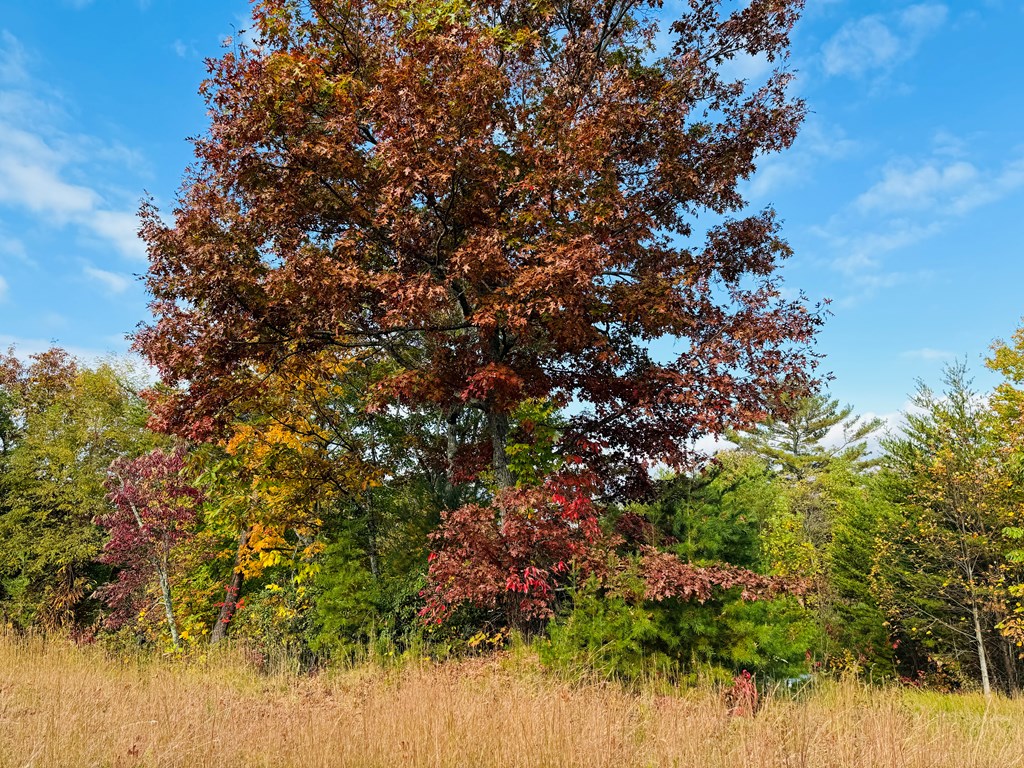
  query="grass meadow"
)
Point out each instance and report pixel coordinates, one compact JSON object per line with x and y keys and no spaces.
{"x":63,"y":705}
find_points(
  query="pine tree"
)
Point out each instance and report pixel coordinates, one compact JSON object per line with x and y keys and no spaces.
{"x":809,"y":433}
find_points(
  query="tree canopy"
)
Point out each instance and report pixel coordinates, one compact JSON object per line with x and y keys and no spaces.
{"x":496,"y":202}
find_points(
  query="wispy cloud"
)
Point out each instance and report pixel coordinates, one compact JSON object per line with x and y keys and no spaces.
{"x":41,"y":165}
{"x":949,"y":188}
{"x":119,"y":228}
{"x":743,"y":66}
{"x":30,"y":176}
{"x":24,"y":347}
{"x":861,"y":251}
{"x":13,"y":59}
{"x":863,"y":256}
{"x":4,"y":289}
{"x":817,"y":142}
{"x":878,"y":42}
{"x":111,"y":281}
{"x":13,"y":248}
{"x":911,"y":201}
{"x":183,"y":50}
{"x":53,"y":320}
{"x":929,"y":354}
{"x":920,"y":188}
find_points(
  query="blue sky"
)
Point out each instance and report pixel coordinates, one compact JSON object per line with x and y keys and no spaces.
{"x":903,"y":196}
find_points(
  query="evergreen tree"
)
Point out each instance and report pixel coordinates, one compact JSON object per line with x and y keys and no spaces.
{"x":803,"y":442}
{"x":820,"y":453}
{"x":727,"y":513}
{"x":808,"y":433}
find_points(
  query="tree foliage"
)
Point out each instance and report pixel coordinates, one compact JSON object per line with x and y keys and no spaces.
{"x":410,"y":315}
{"x":154,"y":511}
{"x":945,"y":571}
{"x":809,"y":433}
{"x":65,"y":424}
{"x":461,"y":191}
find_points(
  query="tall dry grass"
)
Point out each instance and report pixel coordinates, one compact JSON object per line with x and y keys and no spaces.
{"x":66,"y":706}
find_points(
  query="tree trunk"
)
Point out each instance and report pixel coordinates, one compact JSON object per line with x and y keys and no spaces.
{"x":986,"y":686}
{"x":227,"y":610}
{"x":498,"y":423}
{"x":1010,"y":665}
{"x":165,"y":592}
{"x":452,"y":440}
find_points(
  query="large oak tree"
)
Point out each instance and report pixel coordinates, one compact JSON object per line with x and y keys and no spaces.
{"x":498,"y":200}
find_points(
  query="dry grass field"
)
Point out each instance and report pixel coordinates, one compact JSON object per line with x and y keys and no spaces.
{"x":67,"y":706}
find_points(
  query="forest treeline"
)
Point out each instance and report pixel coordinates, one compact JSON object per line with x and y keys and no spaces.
{"x":443,"y":304}
{"x":324,"y":539}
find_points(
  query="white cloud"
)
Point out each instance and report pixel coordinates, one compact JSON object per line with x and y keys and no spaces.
{"x":709,"y":445}
{"x":990,"y":188}
{"x":120,"y":229}
{"x":892,"y":424}
{"x":838,"y":435}
{"x":53,"y":320}
{"x":859,"y":255}
{"x":13,"y":59}
{"x":928,"y":354}
{"x":183,"y":50}
{"x":111,"y":281}
{"x":40,"y":162}
{"x":13,"y":247}
{"x":29,"y":178}
{"x":4,"y":289}
{"x":24,"y":347}
{"x":859,"y":46}
{"x":743,"y":66}
{"x":951,"y":189}
{"x":923,"y":19}
{"x":912,"y":201}
{"x":880,"y":41}
{"x":862,"y":251}
{"x":903,"y":188}
{"x":947,"y":144}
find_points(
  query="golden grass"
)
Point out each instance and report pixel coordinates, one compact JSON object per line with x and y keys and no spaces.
{"x":66,"y":706}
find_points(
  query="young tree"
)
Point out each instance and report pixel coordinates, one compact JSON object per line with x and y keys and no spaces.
{"x":303,"y":451}
{"x":942,"y":570}
{"x":855,"y":622}
{"x":501,"y":199}
{"x":689,"y":584}
{"x":155,"y":509}
{"x":818,"y":450}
